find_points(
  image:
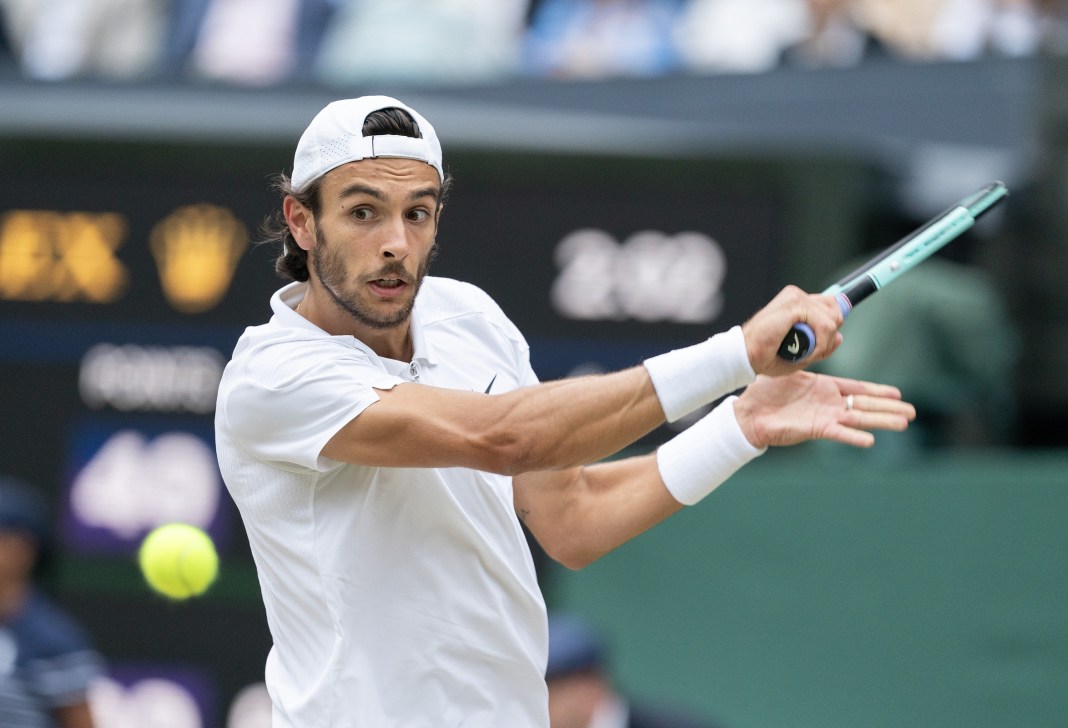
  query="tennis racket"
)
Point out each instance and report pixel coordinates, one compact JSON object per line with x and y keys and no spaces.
{"x":895,"y":260}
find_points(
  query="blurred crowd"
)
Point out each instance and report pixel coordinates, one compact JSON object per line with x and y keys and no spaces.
{"x":264,"y":42}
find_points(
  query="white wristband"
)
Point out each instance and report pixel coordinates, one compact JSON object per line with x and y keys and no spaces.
{"x":686,"y":379}
{"x":696,"y":461}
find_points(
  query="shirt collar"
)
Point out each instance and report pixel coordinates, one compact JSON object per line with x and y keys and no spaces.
{"x":421,"y":348}
{"x":285,"y":300}
{"x":284,"y":303}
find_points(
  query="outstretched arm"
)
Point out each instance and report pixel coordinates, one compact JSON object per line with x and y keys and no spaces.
{"x":548,"y":426}
{"x":575,"y":421}
{"x":580,"y":514}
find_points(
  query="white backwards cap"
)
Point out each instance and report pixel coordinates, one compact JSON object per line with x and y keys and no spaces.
{"x":335,"y":137}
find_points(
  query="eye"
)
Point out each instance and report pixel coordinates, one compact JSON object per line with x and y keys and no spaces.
{"x":363,"y":213}
{"x":419,"y":215}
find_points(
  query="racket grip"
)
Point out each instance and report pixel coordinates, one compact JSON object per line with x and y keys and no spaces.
{"x":801,"y":339}
{"x":798,"y":343}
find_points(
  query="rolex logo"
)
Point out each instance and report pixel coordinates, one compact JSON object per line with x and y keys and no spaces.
{"x":61,"y":256}
{"x":197,"y":249}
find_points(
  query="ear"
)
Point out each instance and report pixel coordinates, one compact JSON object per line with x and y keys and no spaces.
{"x":301,"y":222}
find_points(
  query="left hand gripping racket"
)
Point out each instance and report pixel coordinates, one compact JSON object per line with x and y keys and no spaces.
{"x":895,"y":260}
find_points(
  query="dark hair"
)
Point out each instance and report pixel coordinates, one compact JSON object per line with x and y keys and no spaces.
{"x":292,"y":260}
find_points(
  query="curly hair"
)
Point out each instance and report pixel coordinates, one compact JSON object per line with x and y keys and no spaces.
{"x":292,"y":260}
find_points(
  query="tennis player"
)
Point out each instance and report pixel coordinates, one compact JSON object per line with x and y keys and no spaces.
{"x":384,"y":433}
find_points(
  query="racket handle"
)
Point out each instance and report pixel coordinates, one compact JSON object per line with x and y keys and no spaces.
{"x":798,"y":343}
{"x":801,"y":339}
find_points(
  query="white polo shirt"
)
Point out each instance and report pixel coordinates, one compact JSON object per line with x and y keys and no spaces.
{"x":395,"y":596}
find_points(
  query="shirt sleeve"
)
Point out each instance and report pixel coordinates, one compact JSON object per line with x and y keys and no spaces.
{"x":65,"y":679}
{"x":60,"y":662}
{"x":524,"y":372}
{"x":526,"y":375}
{"x":285,"y":407}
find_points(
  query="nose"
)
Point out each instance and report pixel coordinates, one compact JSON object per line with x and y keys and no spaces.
{"x":394,"y":244}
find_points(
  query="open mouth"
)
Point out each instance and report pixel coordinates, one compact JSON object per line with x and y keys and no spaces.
{"x":389,"y":287}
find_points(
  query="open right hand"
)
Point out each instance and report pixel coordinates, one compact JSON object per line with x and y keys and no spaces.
{"x":788,"y":410}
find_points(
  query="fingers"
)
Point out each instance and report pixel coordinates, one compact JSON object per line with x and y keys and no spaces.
{"x":865,"y":407}
{"x":854,"y":427}
{"x":892,"y":407}
{"x":765,"y":331}
{"x":850,"y":436}
{"x":830,"y":320}
{"x":881,"y":408}
{"x":895,"y":422}
{"x":878,"y":404}
{"x":856,"y":386}
{"x":824,"y":317}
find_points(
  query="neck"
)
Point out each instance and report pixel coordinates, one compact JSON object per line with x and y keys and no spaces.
{"x":392,"y":343}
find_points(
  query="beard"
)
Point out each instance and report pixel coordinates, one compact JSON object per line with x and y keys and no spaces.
{"x":332,"y":272}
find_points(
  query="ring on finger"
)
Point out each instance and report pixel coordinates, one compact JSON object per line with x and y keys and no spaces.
{"x":849,"y":401}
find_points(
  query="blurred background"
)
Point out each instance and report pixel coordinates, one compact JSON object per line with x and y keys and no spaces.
{"x":630,"y":176}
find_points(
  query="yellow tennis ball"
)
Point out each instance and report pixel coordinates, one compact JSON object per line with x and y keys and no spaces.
{"x":178,"y":560}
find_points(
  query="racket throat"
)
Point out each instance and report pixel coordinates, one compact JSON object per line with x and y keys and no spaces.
{"x":861,"y":289}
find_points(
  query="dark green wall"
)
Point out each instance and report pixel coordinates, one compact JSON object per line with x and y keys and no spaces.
{"x":818,"y":588}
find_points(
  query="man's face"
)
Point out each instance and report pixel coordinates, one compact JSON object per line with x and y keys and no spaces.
{"x":375,"y":237}
{"x":18,"y":554}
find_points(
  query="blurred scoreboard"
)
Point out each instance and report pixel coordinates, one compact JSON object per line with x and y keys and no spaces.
{"x":128,"y":271}
{"x":126,"y":275}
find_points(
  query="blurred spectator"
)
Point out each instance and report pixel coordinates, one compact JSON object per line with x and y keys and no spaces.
{"x":1053,"y":23}
{"x":943,"y":334}
{"x":266,"y":42}
{"x":314,"y":19}
{"x":735,"y":36}
{"x":422,"y":41}
{"x":581,"y":692}
{"x":602,"y":38}
{"x":834,"y":37}
{"x":183,"y":27}
{"x":901,"y":26}
{"x":46,"y":660}
{"x":248,"y":42}
{"x":60,"y":39}
{"x":968,"y":29}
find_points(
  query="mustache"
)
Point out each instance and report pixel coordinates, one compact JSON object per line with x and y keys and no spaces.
{"x":396,"y":269}
{"x":390,"y":270}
